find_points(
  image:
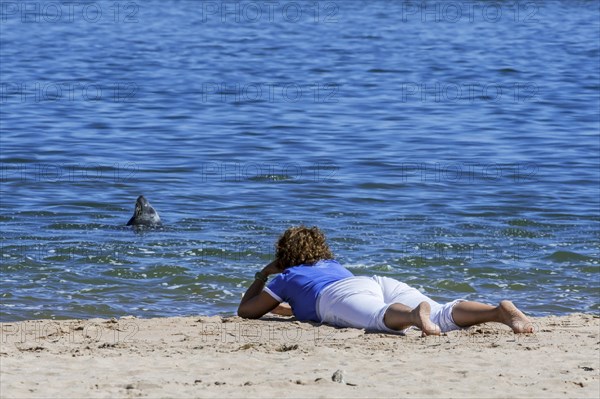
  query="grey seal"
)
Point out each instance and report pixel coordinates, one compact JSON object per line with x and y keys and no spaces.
{"x":144,"y":214}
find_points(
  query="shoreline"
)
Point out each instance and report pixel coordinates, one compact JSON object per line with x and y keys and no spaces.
{"x":201,"y":356}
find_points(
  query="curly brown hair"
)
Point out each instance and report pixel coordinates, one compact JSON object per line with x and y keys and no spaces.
{"x":301,"y":245}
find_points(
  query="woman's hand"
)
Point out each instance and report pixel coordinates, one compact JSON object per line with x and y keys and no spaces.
{"x":255,"y":302}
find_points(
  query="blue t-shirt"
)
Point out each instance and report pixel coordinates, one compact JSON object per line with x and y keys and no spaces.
{"x":301,"y":285}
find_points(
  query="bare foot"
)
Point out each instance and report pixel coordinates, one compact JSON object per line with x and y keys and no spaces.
{"x":421,"y":319}
{"x":514,"y":318}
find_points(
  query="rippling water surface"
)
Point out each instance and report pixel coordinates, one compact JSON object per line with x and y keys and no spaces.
{"x":456,"y":152}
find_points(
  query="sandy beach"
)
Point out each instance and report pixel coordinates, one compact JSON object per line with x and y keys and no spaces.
{"x":280,"y":357}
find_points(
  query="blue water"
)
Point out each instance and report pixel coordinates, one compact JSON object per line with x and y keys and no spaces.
{"x":455,"y":149}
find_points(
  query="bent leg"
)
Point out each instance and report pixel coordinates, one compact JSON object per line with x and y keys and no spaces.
{"x":408,"y":306}
{"x":466,"y":314}
{"x":400,"y":317}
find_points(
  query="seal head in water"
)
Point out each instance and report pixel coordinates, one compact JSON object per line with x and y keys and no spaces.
{"x":144,"y":214}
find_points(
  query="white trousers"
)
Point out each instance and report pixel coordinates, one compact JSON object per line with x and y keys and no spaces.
{"x":361,"y":302}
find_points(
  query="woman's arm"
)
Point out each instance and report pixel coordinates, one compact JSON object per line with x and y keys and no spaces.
{"x":255,"y":302}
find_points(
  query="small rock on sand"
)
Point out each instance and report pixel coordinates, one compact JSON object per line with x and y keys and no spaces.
{"x":338,"y":376}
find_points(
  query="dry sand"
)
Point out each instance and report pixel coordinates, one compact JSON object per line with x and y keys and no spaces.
{"x":278,"y":357}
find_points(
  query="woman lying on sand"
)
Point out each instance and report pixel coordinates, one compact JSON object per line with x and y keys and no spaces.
{"x":319,"y":289}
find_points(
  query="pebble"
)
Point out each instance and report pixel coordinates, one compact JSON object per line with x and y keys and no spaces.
{"x":338,"y":376}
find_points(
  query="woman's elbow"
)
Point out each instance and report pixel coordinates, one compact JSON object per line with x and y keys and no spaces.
{"x":246,"y":314}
